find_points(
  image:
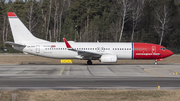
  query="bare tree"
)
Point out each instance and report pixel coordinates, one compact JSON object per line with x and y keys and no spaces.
{"x":162,"y":15}
{"x":7,"y":29}
{"x":56,"y":18}
{"x":123,"y":12}
{"x":114,"y":30}
{"x":32,"y":22}
{"x":87,"y":23}
{"x":4,"y":29}
{"x":49,"y":18}
{"x":60,"y":19}
{"x":136,"y":12}
{"x":69,"y":3}
{"x":42,"y":13}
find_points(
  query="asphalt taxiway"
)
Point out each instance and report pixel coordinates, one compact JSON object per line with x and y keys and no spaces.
{"x":98,"y":76}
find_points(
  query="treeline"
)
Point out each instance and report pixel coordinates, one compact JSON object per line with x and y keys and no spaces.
{"x":150,"y":21}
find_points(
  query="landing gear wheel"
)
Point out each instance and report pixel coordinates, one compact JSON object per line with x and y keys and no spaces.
{"x":89,"y":62}
{"x":155,"y":63}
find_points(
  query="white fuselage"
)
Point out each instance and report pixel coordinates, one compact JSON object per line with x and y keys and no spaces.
{"x":59,"y":49}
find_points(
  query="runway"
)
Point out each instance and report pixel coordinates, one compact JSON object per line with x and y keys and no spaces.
{"x":98,"y":76}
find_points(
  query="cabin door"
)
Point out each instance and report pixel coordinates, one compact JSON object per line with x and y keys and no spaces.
{"x":37,"y":49}
{"x":153,"y":49}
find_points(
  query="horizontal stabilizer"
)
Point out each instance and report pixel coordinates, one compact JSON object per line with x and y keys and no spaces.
{"x":12,"y":43}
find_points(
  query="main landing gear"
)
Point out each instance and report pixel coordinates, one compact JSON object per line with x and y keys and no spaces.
{"x":89,"y":62}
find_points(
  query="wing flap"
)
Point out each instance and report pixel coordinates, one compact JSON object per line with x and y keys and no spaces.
{"x":87,"y":53}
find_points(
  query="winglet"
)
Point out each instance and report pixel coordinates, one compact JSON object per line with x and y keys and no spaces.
{"x":11,"y":14}
{"x":67,"y":44}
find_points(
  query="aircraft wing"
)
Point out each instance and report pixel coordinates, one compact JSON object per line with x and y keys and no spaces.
{"x":12,"y":43}
{"x":88,"y":54}
{"x":84,"y":54}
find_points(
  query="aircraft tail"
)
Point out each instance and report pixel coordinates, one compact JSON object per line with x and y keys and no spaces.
{"x":20,"y":33}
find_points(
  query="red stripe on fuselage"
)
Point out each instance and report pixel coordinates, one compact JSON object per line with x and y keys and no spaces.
{"x":148,"y":51}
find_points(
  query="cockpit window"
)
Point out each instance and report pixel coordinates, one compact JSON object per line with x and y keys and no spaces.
{"x":163,"y":48}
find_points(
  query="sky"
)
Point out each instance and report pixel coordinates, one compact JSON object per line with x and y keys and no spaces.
{"x":8,"y":0}
{"x":12,"y":0}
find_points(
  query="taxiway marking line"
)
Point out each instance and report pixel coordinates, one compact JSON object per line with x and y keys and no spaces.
{"x":62,"y":71}
{"x":153,"y":73}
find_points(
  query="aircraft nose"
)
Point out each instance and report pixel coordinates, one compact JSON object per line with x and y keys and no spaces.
{"x":169,"y":53}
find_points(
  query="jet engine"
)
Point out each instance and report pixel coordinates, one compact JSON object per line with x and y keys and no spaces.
{"x":108,"y":58}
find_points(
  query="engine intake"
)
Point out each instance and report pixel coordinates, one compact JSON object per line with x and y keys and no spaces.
{"x":108,"y":58}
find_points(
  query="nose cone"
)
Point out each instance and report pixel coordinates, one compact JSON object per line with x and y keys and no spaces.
{"x":169,"y":53}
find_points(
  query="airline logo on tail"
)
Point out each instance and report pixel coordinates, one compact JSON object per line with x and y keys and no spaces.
{"x":11,"y":14}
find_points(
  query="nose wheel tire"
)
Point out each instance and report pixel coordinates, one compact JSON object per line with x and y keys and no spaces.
{"x":155,"y":63}
{"x":89,"y":62}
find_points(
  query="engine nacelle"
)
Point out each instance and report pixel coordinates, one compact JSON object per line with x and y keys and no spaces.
{"x":108,"y":58}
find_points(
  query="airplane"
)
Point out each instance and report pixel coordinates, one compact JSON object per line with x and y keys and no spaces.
{"x":105,"y":52}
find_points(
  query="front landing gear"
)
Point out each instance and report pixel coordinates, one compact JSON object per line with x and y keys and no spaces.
{"x":157,"y":61}
{"x":89,"y":62}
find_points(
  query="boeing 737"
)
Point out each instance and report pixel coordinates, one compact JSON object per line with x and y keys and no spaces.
{"x":105,"y":52}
